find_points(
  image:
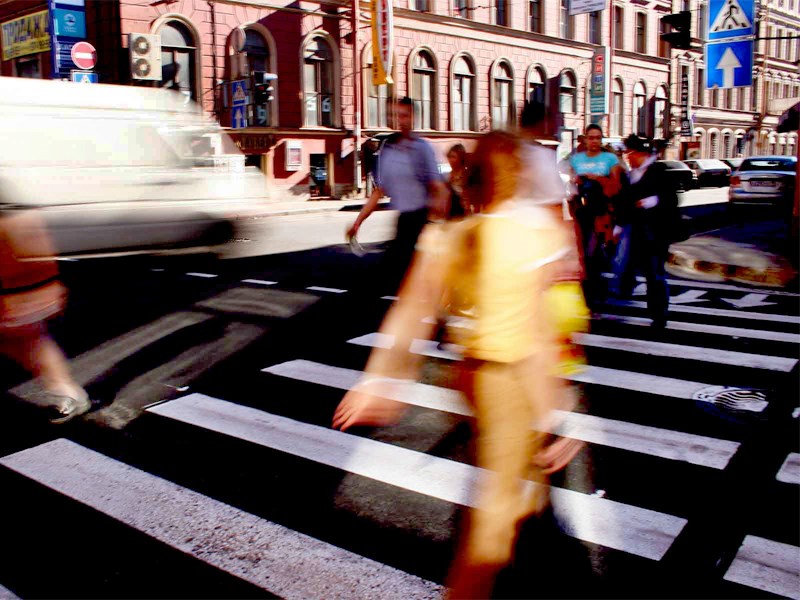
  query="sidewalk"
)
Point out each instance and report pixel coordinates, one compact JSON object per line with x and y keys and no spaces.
{"x":753,"y":253}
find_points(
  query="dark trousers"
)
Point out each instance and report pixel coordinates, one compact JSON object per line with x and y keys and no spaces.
{"x":642,"y":247}
{"x":398,"y":255}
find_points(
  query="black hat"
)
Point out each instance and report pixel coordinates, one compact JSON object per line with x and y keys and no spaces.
{"x":639,"y":144}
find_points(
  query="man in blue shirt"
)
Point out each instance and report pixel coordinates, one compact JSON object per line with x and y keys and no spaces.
{"x":597,"y":176}
{"x":408,"y":174}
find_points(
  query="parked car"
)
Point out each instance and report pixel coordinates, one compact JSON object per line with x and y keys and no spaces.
{"x":681,"y":174}
{"x":733,"y":163}
{"x":710,"y":171}
{"x":764,"y":180}
{"x":116,"y":169}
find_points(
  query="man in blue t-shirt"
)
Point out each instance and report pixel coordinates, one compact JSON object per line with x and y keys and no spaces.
{"x":597,"y":176}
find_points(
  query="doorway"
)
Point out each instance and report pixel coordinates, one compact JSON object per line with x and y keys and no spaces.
{"x":318,"y":173}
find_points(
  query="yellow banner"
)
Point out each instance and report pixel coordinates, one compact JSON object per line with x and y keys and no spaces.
{"x":382,"y":41}
{"x":27,"y":35}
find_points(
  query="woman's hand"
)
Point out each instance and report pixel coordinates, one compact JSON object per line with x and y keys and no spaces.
{"x":367,"y":404}
{"x":557,"y":455}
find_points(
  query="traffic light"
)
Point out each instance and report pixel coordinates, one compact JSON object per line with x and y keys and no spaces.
{"x":263,"y":93}
{"x":681,"y":35}
{"x":263,"y":88}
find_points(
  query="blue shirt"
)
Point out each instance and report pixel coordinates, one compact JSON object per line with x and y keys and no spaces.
{"x":405,"y":168}
{"x":599,"y":165}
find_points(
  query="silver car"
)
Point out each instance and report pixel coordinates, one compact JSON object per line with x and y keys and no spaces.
{"x":764,"y":180}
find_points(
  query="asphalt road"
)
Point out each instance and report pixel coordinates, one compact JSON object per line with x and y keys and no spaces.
{"x":208,"y":467}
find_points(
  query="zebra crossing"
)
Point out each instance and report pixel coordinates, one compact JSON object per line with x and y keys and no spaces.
{"x":676,"y":409}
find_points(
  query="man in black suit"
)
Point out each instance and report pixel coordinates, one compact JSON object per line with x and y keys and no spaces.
{"x":648,"y":220}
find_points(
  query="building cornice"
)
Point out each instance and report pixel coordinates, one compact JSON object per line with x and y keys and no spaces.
{"x":467,"y":28}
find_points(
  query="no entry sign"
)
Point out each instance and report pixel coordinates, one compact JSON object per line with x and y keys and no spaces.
{"x":84,"y":55}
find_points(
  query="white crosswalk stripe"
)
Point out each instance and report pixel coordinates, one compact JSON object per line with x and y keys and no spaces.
{"x":768,"y":566}
{"x":277,"y":559}
{"x":628,"y":380}
{"x":597,"y":520}
{"x":790,"y":469}
{"x":674,"y":445}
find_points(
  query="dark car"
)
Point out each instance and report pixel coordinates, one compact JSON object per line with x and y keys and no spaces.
{"x":710,"y":171}
{"x":682,"y":175}
{"x":733,"y":163}
{"x":764,"y":180}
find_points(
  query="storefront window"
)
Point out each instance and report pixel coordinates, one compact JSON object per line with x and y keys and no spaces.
{"x":178,"y":59}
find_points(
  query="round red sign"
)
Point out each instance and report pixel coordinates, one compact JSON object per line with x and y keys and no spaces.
{"x":84,"y":55}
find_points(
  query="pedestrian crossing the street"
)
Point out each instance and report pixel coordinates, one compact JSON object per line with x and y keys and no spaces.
{"x":668,"y":418}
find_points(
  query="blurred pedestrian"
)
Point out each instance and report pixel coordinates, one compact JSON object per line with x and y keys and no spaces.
{"x":407,"y":172}
{"x":492,"y":270}
{"x":30,"y":294}
{"x":648,"y":220}
{"x":457,"y":181}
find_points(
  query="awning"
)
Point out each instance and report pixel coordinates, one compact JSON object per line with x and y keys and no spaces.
{"x":790,"y":118}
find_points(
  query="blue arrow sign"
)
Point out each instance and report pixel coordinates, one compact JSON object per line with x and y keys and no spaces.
{"x":730,"y":19}
{"x":239,"y":120}
{"x":729,"y":64}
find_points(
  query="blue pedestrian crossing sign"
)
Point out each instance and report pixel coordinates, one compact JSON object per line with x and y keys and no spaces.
{"x":730,"y":19}
{"x":729,"y":64}
{"x":84,"y":77}
{"x":239,"y":93}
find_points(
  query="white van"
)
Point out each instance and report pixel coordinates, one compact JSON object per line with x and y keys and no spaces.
{"x":119,"y":169}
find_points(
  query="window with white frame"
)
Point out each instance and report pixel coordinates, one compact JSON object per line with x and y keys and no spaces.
{"x":502,"y":96}
{"x":617,"y":108}
{"x":178,"y":58}
{"x":318,"y":83}
{"x":713,"y":144}
{"x":566,"y":22}
{"x":537,"y":85}
{"x":463,"y":93}
{"x":619,"y":27}
{"x":641,"y":32}
{"x":501,"y":12}
{"x":640,"y":109}
{"x":535,"y":14}
{"x":660,"y":115}
{"x":423,"y":86}
{"x":595,"y":27}
{"x":567,"y":93}
{"x":378,"y":97}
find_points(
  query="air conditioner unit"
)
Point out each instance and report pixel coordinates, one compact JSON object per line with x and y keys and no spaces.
{"x":145,"y":53}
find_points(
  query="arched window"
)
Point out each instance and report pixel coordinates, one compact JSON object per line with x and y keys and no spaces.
{"x":318,"y":83}
{"x":537,"y":85}
{"x":257,"y":61}
{"x":713,"y":144}
{"x":567,"y":93}
{"x":660,"y":115}
{"x":727,"y":145}
{"x":639,"y":109}
{"x":463,"y":95}
{"x":257,"y":52}
{"x":378,"y":97}
{"x":617,"y":108}
{"x":423,"y":90}
{"x":178,"y":58}
{"x":502,"y":95}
